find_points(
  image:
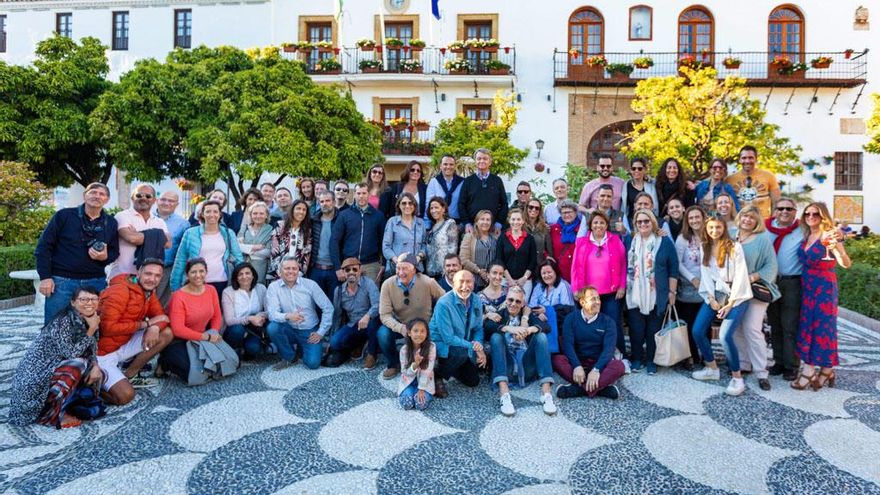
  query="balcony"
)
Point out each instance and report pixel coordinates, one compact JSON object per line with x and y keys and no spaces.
{"x":432,"y":61}
{"x":848,"y":69}
{"x":407,"y":141}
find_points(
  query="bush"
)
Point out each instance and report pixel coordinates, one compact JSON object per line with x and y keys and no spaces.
{"x":15,"y":258}
{"x":865,"y":251}
{"x":859,"y":288}
{"x":22,"y":214}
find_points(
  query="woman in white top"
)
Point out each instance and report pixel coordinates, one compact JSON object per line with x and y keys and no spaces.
{"x":255,"y":238}
{"x":244,"y":312}
{"x":724,"y":287}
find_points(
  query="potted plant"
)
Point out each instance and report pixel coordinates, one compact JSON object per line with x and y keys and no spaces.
{"x":780,"y":62}
{"x":689,"y":60}
{"x":369,"y":66}
{"x":596,"y":61}
{"x":458,"y":66}
{"x":376,"y":123}
{"x":474,"y":44}
{"x":574,"y":53}
{"x":366,"y":44}
{"x":619,"y":72}
{"x":328,"y":66}
{"x":820,"y":177}
{"x":324,"y":46}
{"x":643,"y":63}
{"x":807,"y":188}
{"x":497,"y":68}
{"x":304,"y":47}
{"x":185,"y":185}
{"x":399,"y":124}
{"x":456,"y":46}
{"x":393,"y":43}
{"x":411,"y":66}
{"x":288,"y":47}
{"x":416,"y":44}
{"x":811,"y":163}
{"x":821,"y":62}
{"x":848,"y":53}
{"x":420,"y":125}
{"x":539,"y":167}
{"x":491,"y":45}
{"x":792,"y":70}
{"x":732,"y":63}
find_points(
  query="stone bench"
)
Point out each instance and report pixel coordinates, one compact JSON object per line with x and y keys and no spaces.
{"x":32,"y":275}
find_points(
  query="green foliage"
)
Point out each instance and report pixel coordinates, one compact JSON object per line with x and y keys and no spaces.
{"x":865,"y":250}
{"x":460,"y":136}
{"x":619,"y":69}
{"x":12,"y":259}
{"x":859,"y":289}
{"x":873,"y":145}
{"x":212,"y":113}
{"x":696,"y":117}
{"x":45,"y":109}
{"x":22,"y":214}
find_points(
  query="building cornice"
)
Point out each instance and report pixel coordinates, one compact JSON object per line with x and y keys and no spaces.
{"x":23,"y":5}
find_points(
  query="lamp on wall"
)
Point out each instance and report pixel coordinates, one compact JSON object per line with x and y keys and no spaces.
{"x":539,"y":144}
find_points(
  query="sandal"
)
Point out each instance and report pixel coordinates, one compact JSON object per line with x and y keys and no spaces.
{"x":803,"y":381}
{"x":825,"y":379}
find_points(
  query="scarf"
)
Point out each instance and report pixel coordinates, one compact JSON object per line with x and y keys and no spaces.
{"x":569,"y":231}
{"x":449,"y":190}
{"x":63,"y":394}
{"x":780,"y":232}
{"x":641,"y":287}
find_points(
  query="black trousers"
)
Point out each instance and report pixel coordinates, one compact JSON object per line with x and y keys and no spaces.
{"x":175,"y":359}
{"x":458,"y":364}
{"x":783,"y":316}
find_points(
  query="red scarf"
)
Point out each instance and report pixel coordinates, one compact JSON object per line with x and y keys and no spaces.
{"x":780,"y":232}
{"x":516,"y":242}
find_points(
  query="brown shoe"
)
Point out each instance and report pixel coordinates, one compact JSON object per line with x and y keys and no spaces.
{"x":440,"y":391}
{"x":369,"y":362}
{"x":390,"y":373}
{"x":358,"y":352}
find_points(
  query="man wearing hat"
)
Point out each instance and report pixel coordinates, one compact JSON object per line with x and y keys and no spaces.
{"x":405,"y":296}
{"x":356,"y":306}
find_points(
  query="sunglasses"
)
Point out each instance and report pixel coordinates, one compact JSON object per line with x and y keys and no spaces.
{"x":339,"y":189}
{"x":513,"y":300}
{"x":784,"y":208}
{"x":143,"y":196}
{"x":812,"y":214}
{"x":350,"y":269}
{"x":534,"y":208}
{"x":418,"y":170}
{"x":382,"y":172}
{"x":523,"y":191}
{"x":638,"y":168}
{"x":642,"y":222}
{"x":604,"y":166}
{"x":406,"y":297}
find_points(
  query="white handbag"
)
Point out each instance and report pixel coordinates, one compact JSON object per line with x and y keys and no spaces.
{"x":671,"y":340}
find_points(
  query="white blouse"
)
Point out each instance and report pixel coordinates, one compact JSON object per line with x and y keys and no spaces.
{"x":238,"y":305}
{"x":731,"y":279}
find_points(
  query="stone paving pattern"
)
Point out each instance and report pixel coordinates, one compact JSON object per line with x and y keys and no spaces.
{"x":340,"y":431}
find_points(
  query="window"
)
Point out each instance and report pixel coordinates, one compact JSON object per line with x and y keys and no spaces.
{"x":64,"y":24}
{"x":785,"y":34}
{"x":391,"y":112}
{"x":848,"y":170}
{"x":608,"y":140}
{"x":183,"y":28}
{"x":480,"y":113}
{"x":695,"y":33}
{"x":404,"y":32}
{"x":481,"y":30}
{"x":585,"y":34}
{"x":2,"y":34}
{"x":120,"y":30}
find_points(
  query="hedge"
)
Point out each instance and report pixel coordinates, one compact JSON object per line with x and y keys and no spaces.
{"x":860,"y":289}
{"x":15,"y":258}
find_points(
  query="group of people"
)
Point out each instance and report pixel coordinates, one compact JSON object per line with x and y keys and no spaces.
{"x":447,"y":269}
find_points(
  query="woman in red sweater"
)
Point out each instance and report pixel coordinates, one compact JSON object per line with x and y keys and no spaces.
{"x":194,"y":309}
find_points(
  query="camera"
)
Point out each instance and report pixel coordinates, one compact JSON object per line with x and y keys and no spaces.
{"x":97,"y":245}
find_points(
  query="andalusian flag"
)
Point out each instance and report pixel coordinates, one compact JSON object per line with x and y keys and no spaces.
{"x":435,"y":8}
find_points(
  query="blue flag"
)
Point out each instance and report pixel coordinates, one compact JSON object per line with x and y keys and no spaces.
{"x":435,"y":8}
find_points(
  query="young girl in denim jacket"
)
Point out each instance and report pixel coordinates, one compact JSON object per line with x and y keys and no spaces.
{"x":417,"y":358}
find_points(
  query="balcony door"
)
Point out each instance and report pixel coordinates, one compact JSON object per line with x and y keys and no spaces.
{"x":404,"y":32}
{"x":585,"y":38}
{"x":315,"y":32}
{"x":785,"y":34}
{"x":478,"y":31}
{"x":392,"y":112}
{"x":696,"y":35}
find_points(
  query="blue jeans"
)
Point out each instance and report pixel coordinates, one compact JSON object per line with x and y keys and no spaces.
{"x":64,"y":290}
{"x":408,"y":398}
{"x":611,"y":307}
{"x":387,"y":339}
{"x":536,"y":361}
{"x":642,"y":329}
{"x":286,"y":338}
{"x":244,"y":337}
{"x":326,"y":280}
{"x":349,"y":337}
{"x":728,"y":327}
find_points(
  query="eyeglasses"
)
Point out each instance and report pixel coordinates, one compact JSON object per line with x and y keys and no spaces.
{"x":513,"y":300}
{"x":87,"y":300}
{"x":143,"y":196}
{"x":406,"y":297}
{"x":523,"y":191}
{"x":784,"y":208}
{"x":642,"y":221}
{"x":812,"y":214}
{"x":534,"y":208}
{"x":350,"y":269}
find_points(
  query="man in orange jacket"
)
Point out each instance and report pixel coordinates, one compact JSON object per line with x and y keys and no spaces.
{"x":133,"y":325}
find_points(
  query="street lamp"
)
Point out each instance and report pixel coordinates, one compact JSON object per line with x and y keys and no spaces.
{"x":539,"y":144}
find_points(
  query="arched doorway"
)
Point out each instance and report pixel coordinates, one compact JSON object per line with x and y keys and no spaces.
{"x":608,"y":140}
{"x":585,"y":39}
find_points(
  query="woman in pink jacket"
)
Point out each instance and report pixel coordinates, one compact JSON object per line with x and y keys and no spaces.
{"x":599,"y":261}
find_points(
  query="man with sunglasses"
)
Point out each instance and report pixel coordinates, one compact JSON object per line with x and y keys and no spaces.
{"x":132,"y":224}
{"x":74,"y":248}
{"x":589,"y":194}
{"x":404,"y":297}
{"x":638,"y":183}
{"x":523,"y":196}
{"x":784,"y":313}
{"x":355,"y":317}
{"x":340,"y":191}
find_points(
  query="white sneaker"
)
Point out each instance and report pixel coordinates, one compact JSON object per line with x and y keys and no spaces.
{"x":736,"y":387}
{"x":507,"y":408}
{"x":627,"y":367}
{"x":706,"y":373}
{"x":549,"y":406}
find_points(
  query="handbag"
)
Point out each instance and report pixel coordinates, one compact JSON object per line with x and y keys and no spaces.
{"x":760,"y":292}
{"x":671,"y":340}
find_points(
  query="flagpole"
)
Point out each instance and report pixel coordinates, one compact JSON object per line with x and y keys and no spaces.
{"x":337,"y":4}
{"x":382,"y":34}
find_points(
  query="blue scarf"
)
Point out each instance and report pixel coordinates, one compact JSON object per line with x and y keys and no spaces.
{"x":569,"y":231}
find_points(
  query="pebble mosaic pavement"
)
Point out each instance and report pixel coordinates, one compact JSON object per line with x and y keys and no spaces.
{"x":340,"y":431}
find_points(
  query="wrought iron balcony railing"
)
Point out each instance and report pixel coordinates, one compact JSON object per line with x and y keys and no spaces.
{"x":407,"y":141}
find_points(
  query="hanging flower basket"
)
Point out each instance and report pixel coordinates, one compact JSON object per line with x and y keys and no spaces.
{"x":821,"y":62}
{"x":456,"y":47}
{"x":288,"y":47}
{"x":491,"y":46}
{"x":732,"y":63}
{"x":420,"y":125}
{"x":539,"y":167}
{"x":366,"y":44}
{"x":416,"y":45}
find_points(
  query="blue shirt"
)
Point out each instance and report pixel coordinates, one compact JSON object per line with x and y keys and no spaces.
{"x":364,"y":301}
{"x":455,"y":325}
{"x":63,"y":248}
{"x":177,"y":225}
{"x":788,"y":261}
{"x":594,"y":340}
{"x":303,"y":297}
{"x":435,"y":189}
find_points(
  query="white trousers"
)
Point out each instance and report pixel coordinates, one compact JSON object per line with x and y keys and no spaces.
{"x":750,"y":341}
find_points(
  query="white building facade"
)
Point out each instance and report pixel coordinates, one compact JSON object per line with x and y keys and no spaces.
{"x":575,"y":111}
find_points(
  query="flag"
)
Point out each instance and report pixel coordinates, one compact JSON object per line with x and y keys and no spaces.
{"x":435,"y":8}
{"x":337,"y":9}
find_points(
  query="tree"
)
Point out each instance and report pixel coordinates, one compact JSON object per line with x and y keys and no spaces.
{"x":873,"y":145}
{"x":460,"y":136}
{"x":224,"y":114}
{"x":45,"y":108}
{"x":697,"y":117}
{"x":22,"y":214}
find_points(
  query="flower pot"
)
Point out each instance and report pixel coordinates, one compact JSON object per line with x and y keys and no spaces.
{"x":475,"y":49}
{"x":821,"y":65}
{"x":458,"y":72}
{"x":330,"y":72}
{"x":619,"y":76}
{"x":847,"y":54}
{"x":642,"y":66}
{"x":490,"y":49}
{"x":540,"y":167}
{"x":325,"y":49}
{"x":393,"y":47}
{"x":370,"y":70}
{"x":732,"y":65}
{"x":456,"y":50}
{"x":499,"y":72}
{"x":443,"y":51}
{"x":399,"y":127}
{"x":367,"y":48}
{"x":288,"y":49}
{"x":414,"y":70}
{"x":506,"y":49}
{"x":796,"y":75}
{"x":378,"y":49}
{"x":421,"y":127}
{"x":417,"y":48}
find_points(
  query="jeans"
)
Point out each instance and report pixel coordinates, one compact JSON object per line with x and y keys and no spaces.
{"x":612,"y":372}
{"x":611,"y":307}
{"x":783,"y":315}
{"x":286,"y":338}
{"x":688,"y":312}
{"x":387,"y":340}
{"x":458,"y":364}
{"x":245,"y":337}
{"x":536,"y":361}
{"x":64,"y":290}
{"x":326,"y":279}
{"x":408,"y":398}
{"x":728,"y":328}
{"x":349,"y":337}
{"x":642,"y":329}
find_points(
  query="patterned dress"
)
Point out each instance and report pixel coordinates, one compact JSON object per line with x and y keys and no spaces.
{"x":817,"y":329}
